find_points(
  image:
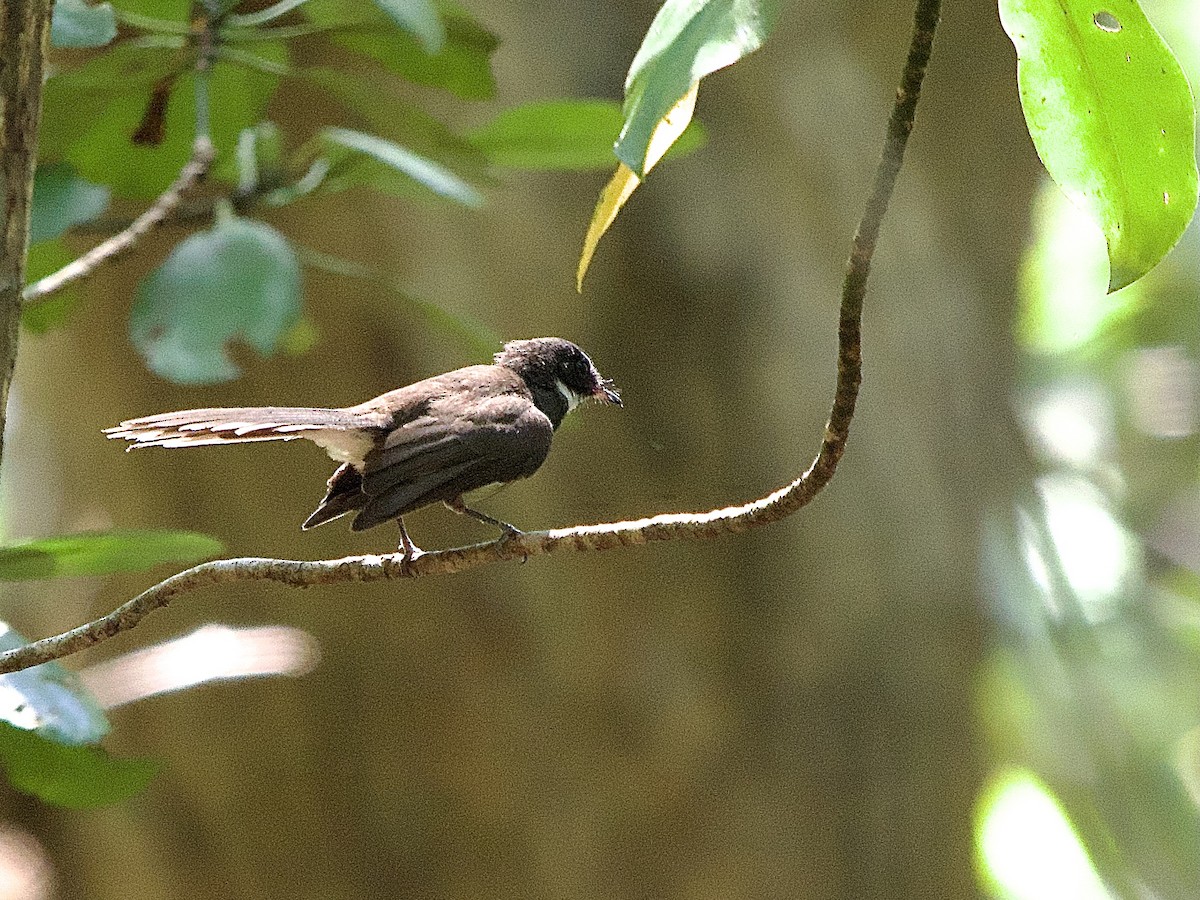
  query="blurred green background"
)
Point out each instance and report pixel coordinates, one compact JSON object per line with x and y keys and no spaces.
{"x":984,"y":606}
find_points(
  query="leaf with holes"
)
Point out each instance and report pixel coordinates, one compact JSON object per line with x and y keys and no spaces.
{"x":238,"y":282}
{"x":1112,"y":118}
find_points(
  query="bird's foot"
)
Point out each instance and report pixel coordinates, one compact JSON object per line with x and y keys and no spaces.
{"x":409,"y":552}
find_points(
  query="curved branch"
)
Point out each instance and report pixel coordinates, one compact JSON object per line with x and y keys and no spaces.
{"x":670,"y":526}
{"x":189,"y":176}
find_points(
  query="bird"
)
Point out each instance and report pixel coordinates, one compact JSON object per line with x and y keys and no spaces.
{"x":428,"y":442}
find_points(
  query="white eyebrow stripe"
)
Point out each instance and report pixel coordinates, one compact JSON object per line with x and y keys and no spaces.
{"x":572,"y":398}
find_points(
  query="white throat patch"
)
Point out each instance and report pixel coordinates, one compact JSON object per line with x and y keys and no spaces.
{"x":572,"y":398}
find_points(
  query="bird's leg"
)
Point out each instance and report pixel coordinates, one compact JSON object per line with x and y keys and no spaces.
{"x":411,"y":551}
{"x":459,"y":507}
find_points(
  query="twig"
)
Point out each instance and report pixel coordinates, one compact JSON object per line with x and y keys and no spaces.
{"x":189,"y":176}
{"x":673,"y":526}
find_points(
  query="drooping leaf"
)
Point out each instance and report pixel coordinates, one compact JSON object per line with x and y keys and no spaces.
{"x":77,"y":777}
{"x":625,"y":181}
{"x":238,"y":281}
{"x":75,"y":24}
{"x":419,"y":18}
{"x":1112,"y":118}
{"x":102,"y":553}
{"x":431,"y":175}
{"x":687,"y":40}
{"x":462,"y":66}
{"x":572,"y":135}
{"x":61,"y":199}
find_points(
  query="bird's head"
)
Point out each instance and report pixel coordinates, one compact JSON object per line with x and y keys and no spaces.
{"x":558,"y":373}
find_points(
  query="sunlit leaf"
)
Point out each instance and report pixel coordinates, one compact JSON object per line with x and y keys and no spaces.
{"x":687,"y":40}
{"x":561,"y":134}
{"x":75,"y":24}
{"x":431,"y":175}
{"x":1064,"y":277}
{"x":61,"y":199}
{"x":102,"y":553}
{"x":239,"y":281}
{"x":1112,"y":117}
{"x":624,"y":181}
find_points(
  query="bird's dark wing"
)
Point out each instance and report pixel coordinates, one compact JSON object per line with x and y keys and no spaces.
{"x":464,"y":441}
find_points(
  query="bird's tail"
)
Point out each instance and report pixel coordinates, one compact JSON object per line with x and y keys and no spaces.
{"x":235,"y":425}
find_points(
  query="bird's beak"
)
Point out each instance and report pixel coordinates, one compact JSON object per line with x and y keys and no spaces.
{"x":607,"y":393}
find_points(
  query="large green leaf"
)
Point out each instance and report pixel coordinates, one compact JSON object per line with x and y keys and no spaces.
{"x":687,"y":40}
{"x":462,"y":66}
{"x":92,"y":113}
{"x":62,"y":199}
{"x":1112,"y":118}
{"x":102,"y":553}
{"x":561,"y":134}
{"x":75,"y":24}
{"x":78,"y":777}
{"x":238,"y":281}
{"x":425,"y":172}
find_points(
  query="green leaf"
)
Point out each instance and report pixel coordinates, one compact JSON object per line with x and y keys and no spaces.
{"x":424,"y":171}
{"x":75,"y":24}
{"x":1112,"y":118}
{"x":462,"y":66}
{"x":45,"y":258}
{"x":561,"y":135}
{"x":419,"y":18}
{"x":238,"y":281}
{"x":48,"y":699}
{"x":687,"y":40}
{"x":92,"y":113}
{"x":372,"y":96}
{"x":77,"y":777}
{"x":61,"y":199}
{"x":49,"y":725}
{"x":102,"y":553}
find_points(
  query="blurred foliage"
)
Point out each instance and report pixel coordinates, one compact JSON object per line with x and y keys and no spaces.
{"x":102,"y":553}
{"x":1093,"y":686}
{"x":49,"y":729}
{"x":123,"y":121}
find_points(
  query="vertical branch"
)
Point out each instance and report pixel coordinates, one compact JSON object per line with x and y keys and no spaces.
{"x":24,"y":39}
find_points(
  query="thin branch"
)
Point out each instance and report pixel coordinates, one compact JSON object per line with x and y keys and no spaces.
{"x":189,"y":176}
{"x":168,"y":201}
{"x":672,"y":526}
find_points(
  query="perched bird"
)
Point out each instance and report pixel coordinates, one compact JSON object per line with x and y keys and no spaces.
{"x":429,"y":442}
